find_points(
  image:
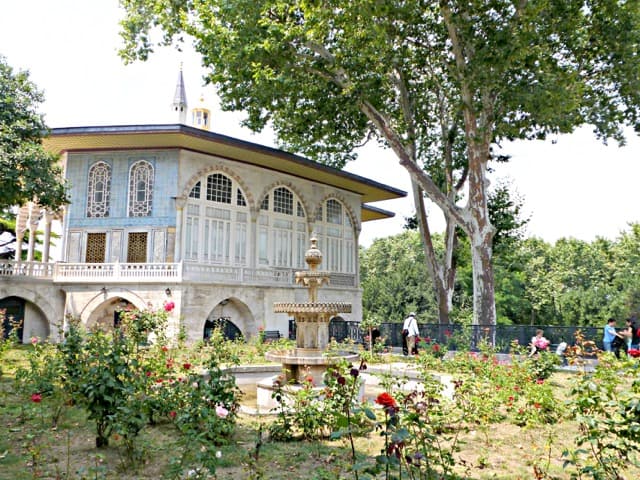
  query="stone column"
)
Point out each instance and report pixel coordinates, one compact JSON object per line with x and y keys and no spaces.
{"x":180,"y":204}
{"x":357,"y":255}
{"x":21,"y":227}
{"x":48,"y":218}
{"x":34,"y":218}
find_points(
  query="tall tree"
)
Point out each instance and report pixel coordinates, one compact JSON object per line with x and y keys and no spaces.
{"x":29,"y":173}
{"x":330,"y":74}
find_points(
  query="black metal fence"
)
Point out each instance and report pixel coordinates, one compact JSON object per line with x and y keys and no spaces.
{"x":463,"y":336}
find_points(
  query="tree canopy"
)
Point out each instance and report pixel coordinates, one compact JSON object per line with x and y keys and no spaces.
{"x":29,"y":173}
{"x":569,"y":282}
{"x":330,"y":75}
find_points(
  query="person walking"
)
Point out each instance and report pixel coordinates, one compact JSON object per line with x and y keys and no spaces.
{"x":410,"y":331}
{"x":610,"y":335}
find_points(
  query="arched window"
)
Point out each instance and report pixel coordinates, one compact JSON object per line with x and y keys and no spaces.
{"x":336,"y":237}
{"x":282,"y":230}
{"x":99,"y":190}
{"x":217,"y":222}
{"x":140,"y":189}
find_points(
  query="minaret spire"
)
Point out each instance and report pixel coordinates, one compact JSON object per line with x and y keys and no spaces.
{"x":180,"y":99}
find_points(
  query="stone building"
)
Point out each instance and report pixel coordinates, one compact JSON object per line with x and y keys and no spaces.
{"x":216,"y":225}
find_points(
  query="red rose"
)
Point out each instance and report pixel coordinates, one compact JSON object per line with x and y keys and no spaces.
{"x":386,"y":401}
{"x":36,"y":398}
{"x":172,"y":414}
{"x":186,"y":366}
{"x":148,"y":374}
{"x":436,"y":347}
{"x":168,"y":306}
{"x":165,"y":348}
{"x":536,"y":405}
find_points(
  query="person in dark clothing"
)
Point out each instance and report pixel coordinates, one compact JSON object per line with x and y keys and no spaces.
{"x":635,"y":335}
{"x":405,"y":346}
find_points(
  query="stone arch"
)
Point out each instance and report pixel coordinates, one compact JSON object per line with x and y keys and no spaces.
{"x":227,"y":171}
{"x":40,"y":299}
{"x":291,"y":187}
{"x":33,"y":320}
{"x":103,"y":302}
{"x":237,"y":313}
{"x":355,"y":220}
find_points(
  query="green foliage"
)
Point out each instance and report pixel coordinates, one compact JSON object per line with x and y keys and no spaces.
{"x":542,"y":365}
{"x":28,"y":171}
{"x":7,"y":339}
{"x":394,"y":279}
{"x":571,"y":282}
{"x":606,"y":405}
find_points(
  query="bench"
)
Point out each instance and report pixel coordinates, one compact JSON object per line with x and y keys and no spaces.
{"x":271,"y":335}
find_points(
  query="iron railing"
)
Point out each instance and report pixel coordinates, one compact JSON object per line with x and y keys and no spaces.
{"x":456,"y":336}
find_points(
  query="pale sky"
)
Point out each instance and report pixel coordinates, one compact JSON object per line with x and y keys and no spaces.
{"x":575,"y":187}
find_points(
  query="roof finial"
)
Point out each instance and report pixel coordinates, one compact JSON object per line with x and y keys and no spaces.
{"x":180,"y":99}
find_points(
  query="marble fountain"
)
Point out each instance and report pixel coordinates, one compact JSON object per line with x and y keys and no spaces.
{"x":309,"y":358}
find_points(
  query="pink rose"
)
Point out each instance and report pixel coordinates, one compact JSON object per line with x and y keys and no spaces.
{"x":221,"y":411}
{"x":169,"y":306}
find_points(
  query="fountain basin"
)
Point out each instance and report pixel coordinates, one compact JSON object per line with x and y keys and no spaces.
{"x":300,"y":363}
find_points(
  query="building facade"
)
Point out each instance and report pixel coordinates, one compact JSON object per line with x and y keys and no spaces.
{"x":216,"y":225}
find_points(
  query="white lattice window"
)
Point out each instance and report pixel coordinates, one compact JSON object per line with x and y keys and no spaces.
{"x":217,"y":222}
{"x":282,"y":230}
{"x":219,"y":188}
{"x":336,"y":237}
{"x":99,"y":190}
{"x":140,"y":189}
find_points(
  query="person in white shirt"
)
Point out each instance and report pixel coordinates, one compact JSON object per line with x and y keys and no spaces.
{"x":410,"y":331}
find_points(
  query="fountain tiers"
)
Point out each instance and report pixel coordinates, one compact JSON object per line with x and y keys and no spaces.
{"x":312,"y":327}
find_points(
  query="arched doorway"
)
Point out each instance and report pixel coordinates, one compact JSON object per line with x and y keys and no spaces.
{"x":13,"y":316}
{"x":232,"y":316}
{"x":107,"y":315}
{"x":229,"y":329}
{"x":338,"y":329}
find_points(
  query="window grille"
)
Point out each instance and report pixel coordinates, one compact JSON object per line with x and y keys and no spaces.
{"x":213,"y":225}
{"x":299,"y":210}
{"x":265,"y":203}
{"x":334,"y":212}
{"x":96,"y":247}
{"x":99,"y":190}
{"x":140,"y":189}
{"x":195,"y":191}
{"x":219,"y":188}
{"x":241,"y":202}
{"x":137,"y":247}
{"x":336,"y":235}
{"x":283,"y":201}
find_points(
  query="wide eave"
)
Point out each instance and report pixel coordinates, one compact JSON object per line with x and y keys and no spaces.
{"x":82,"y":139}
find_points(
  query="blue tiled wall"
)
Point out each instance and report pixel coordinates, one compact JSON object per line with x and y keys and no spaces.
{"x":165,"y":164}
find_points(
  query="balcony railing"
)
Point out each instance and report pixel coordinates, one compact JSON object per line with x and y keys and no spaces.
{"x":159,"y":272}
{"x":26,"y":269}
{"x":117,"y":272}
